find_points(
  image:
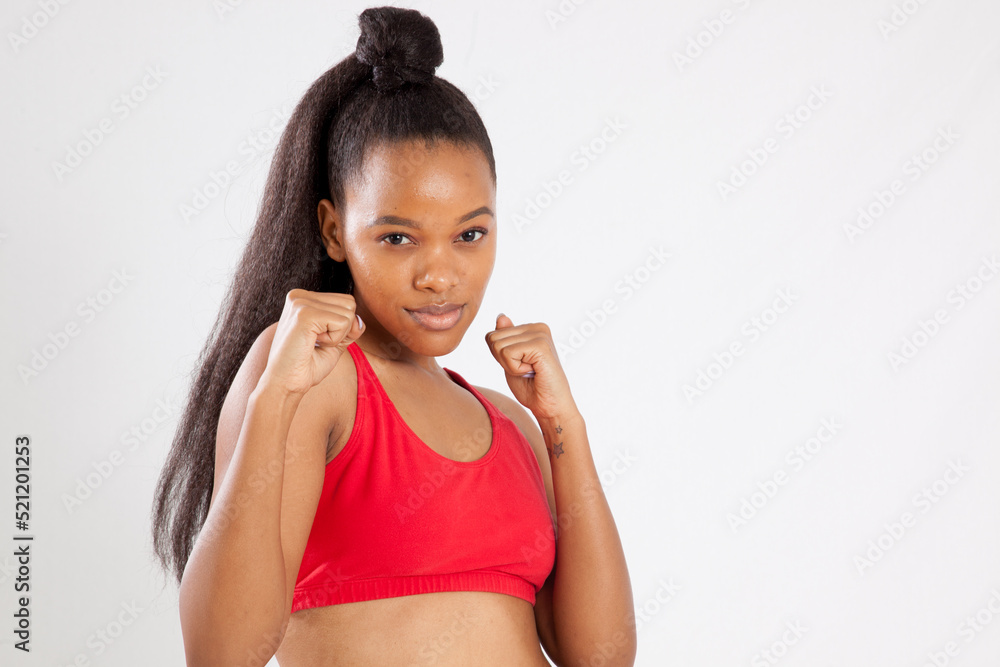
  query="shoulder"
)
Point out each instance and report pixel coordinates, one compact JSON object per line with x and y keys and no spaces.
{"x":521,"y":418}
{"x":507,"y":405}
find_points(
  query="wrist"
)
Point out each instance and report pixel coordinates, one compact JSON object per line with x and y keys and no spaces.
{"x":562,"y":418}
{"x":274,"y":394}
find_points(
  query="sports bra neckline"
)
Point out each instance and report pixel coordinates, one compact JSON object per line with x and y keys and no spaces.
{"x":457,"y":379}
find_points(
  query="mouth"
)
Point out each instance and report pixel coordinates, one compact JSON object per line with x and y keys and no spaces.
{"x":438,"y":318}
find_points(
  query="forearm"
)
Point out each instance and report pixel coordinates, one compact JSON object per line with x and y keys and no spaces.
{"x":591,"y":590}
{"x":233,"y":591}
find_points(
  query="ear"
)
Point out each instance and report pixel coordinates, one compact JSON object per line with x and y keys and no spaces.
{"x":331,"y":229}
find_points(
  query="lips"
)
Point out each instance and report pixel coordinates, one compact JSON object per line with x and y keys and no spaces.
{"x":438,"y":308}
{"x":437,"y":317}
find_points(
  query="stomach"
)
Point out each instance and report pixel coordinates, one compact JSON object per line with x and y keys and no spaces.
{"x":445,"y":629}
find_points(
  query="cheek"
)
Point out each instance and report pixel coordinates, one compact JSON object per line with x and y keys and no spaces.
{"x":484,"y":265}
{"x":377,"y":274}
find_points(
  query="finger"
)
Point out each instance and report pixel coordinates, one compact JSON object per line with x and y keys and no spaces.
{"x":498,"y":335}
{"x":506,"y":337}
{"x":357,"y":328}
{"x":517,"y":358}
{"x":328,"y":302}
{"x":326,"y":297}
{"x":329,"y":323}
{"x":503,"y":322}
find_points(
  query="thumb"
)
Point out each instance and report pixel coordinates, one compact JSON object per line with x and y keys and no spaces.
{"x":504,"y":322}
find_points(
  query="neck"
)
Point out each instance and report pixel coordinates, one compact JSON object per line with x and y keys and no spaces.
{"x":391,"y":351}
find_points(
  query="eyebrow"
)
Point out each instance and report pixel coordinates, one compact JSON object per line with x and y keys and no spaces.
{"x":406,"y":222}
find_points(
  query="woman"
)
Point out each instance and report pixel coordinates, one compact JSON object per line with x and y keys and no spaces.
{"x":353,"y":502}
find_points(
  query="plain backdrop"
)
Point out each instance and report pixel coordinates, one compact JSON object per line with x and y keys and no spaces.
{"x":764,"y":234}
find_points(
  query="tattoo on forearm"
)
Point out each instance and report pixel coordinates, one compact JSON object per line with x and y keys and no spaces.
{"x":557,"y":449}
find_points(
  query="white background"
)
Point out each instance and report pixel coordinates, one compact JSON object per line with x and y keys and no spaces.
{"x":546,"y":84}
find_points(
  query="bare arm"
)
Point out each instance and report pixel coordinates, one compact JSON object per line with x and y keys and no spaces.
{"x":583,"y":612}
{"x":591,"y":594}
{"x":235,"y":595}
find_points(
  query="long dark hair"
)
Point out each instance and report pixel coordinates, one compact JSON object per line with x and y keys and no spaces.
{"x":386,"y":91}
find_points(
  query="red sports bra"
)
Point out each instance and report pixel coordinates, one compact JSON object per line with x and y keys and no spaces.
{"x":396,"y":518}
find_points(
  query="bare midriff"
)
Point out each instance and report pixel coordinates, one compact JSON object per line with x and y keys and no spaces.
{"x":447,"y":629}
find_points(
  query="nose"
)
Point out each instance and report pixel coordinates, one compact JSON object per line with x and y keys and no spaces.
{"x":437,"y":273}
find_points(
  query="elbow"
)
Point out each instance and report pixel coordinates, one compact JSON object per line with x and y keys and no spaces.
{"x":194,"y":629}
{"x":625,"y":647}
{"x":214,"y":635}
{"x":617,"y":650}
{"x":629,"y":652}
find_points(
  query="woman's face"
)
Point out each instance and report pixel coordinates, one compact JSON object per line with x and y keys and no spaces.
{"x":417,"y":230}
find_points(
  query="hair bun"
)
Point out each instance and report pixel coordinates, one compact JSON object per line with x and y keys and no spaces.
{"x":400,"y":45}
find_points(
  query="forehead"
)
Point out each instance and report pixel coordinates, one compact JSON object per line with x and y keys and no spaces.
{"x":413,"y":170}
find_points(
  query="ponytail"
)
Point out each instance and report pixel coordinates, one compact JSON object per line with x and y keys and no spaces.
{"x":386,"y":91}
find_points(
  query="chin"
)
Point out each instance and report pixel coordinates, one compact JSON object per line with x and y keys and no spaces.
{"x":436,"y":344}
{"x":423,"y":342}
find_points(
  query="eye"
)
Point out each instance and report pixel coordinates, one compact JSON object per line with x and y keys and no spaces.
{"x":394,"y":235}
{"x":464,"y":235}
{"x":477,"y":230}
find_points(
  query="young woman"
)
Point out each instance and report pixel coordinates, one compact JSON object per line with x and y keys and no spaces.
{"x":333,"y":496}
